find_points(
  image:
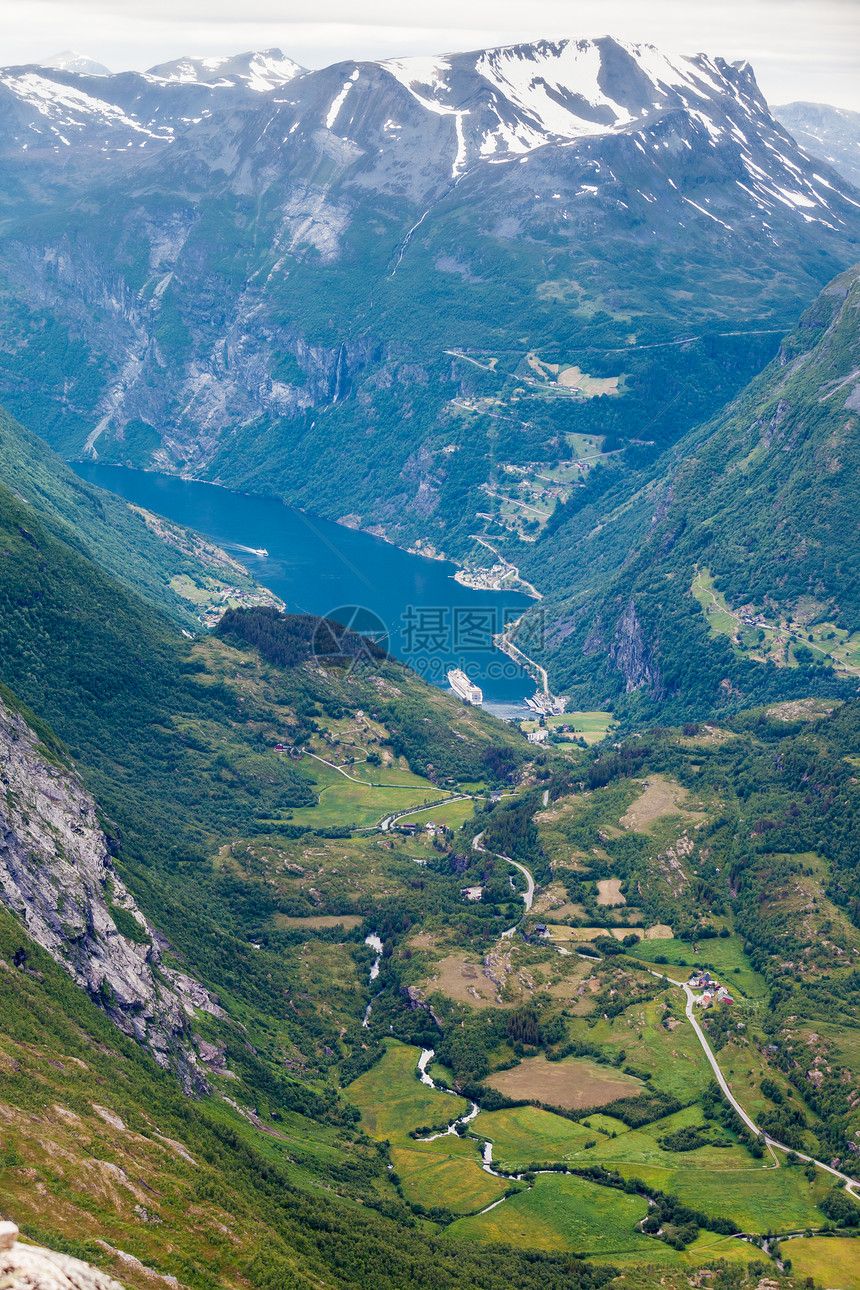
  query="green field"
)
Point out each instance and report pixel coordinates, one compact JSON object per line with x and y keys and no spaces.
{"x":593,"y":727}
{"x":445,"y":1172}
{"x":441,"y":1074}
{"x":721,"y":621}
{"x":723,"y":956}
{"x":451,"y":813}
{"x":435,"y":1177}
{"x":392,"y":1099}
{"x":833,"y":1261}
{"x":524,"y":1134}
{"x":674,"y":1059}
{"x":343,"y":802}
{"x":605,"y":1124}
{"x":562,"y":1212}
{"x":758,"y":1198}
{"x":641,"y":1146}
{"x":709,"y":1246}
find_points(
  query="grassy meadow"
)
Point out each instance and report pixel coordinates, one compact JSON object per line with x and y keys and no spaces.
{"x":832,"y":1261}
{"x":343,"y":803}
{"x":392,"y":1100}
{"x":561,"y":1212}
{"x":723,"y":956}
{"x":444,"y":1172}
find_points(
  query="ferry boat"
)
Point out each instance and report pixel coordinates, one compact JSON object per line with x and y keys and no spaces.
{"x":261,"y":551}
{"x":464,"y":688}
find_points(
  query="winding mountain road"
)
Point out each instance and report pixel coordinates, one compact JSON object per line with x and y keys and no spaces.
{"x":529,"y":894}
{"x":851,"y":1184}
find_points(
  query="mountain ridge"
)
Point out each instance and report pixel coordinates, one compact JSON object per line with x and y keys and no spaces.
{"x":830,"y":132}
{"x":268,"y":284}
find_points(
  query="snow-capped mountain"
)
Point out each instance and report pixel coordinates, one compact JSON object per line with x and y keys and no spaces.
{"x":421,"y":123}
{"x":69,"y":60}
{"x":501,"y":105}
{"x":73,"y":120}
{"x":260,"y":71}
{"x":829,"y":132}
{"x":246,"y":274}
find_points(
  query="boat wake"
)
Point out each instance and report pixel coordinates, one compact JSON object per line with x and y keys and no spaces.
{"x":247,"y":550}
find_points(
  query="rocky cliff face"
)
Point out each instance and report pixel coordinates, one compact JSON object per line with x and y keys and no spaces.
{"x":632,"y":655}
{"x":58,"y":877}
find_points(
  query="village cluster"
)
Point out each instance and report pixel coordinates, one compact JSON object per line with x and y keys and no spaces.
{"x":712,"y":991}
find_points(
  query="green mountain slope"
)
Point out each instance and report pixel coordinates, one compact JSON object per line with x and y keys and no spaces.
{"x":732,"y":573}
{"x":150,"y":556}
{"x":177,"y":742}
{"x":104,"y":1158}
{"x":268,"y":1182}
{"x":246,"y":876}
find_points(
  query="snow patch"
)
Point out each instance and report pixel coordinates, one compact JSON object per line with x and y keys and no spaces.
{"x":338,"y":103}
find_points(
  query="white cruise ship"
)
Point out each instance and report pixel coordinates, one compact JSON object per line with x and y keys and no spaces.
{"x":464,"y":688}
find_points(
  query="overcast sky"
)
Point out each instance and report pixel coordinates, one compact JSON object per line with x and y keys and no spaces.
{"x":800,"y":49}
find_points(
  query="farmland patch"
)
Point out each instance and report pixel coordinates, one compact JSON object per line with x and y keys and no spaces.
{"x":573,"y":1083}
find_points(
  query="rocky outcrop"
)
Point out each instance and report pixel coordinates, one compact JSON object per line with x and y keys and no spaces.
{"x":32,"y":1267}
{"x":632,"y":656}
{"x":57,"y":876}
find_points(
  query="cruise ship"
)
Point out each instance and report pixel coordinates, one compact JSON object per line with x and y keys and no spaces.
{"x":464,"y":688}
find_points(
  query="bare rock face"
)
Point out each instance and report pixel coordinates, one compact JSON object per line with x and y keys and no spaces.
{"x":32,"y":1267}
{"x":58,"y":878}
{"x":632,"y":656}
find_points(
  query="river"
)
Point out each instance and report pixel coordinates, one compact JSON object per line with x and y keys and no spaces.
{"x":317,"y":567}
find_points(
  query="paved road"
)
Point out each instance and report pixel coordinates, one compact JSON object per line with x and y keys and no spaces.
{"x":386,"y":824}
{"x":529,"y":894}
{"x":366,"y":783}
{"x":532,"y":590}
{"x":340,"y":770}
{"x":507,"y":647}
{"x":851,"y":1184}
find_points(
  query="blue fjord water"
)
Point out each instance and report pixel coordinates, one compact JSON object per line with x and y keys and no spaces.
{"x":318,"y":567}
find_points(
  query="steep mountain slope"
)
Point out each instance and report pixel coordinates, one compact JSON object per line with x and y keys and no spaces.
{"x":171,"y":568}
{"x":58,"y":877}
{"x":105,"y":1159}
{"x":99,"y":1151}
{"x":749,"y":525}
{"x":177,"y":742}
{"x":393,"y":262}
{"x":825,"y":131}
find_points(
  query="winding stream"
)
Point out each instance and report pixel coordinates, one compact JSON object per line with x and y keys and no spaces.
{"x":427,"y":1055}
{"x":375,"y":944}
